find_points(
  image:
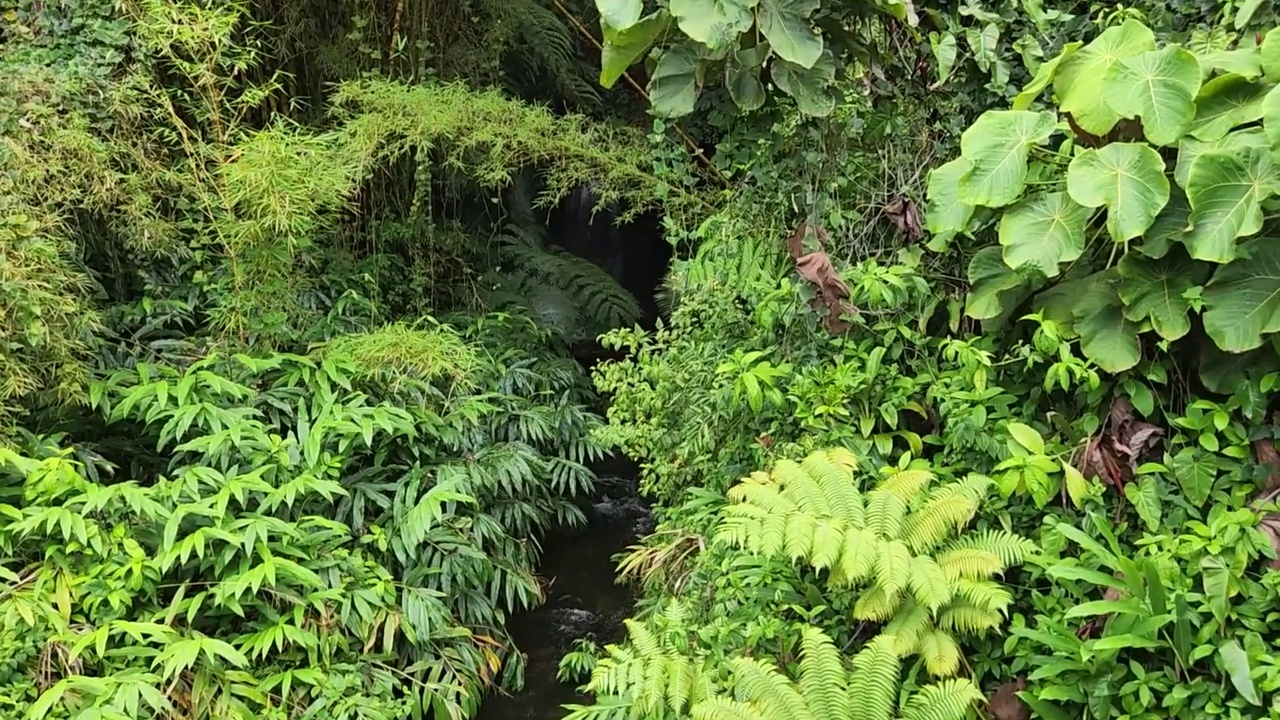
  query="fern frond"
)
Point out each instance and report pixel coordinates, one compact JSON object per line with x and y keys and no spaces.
{"x":893,"y":566}
{"x":875,"y":605}
{"x":822,"y":676}
{"x":906,"y":484}
{"x":908,"y":624}
{"x":926,"y":528}
{"x":828,"y":543}
{"x":769,"y":690}
{"x":801,"y":528}
{"x":885,"y":513}
{"x":967,"y":619}
{"x":803,"y":487}
{"x":928,"y":583}
{"x":722,"y":708}
{"x":946,"y":700}
{"x":1009,"y":547}
{"x":983,"y":594}
{"x":836,"y":482}
{"x":857,"y":555}
{"x":874,"y":687}
{"x":940,"y":652}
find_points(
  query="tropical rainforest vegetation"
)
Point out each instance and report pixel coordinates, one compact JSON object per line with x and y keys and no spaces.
{"x":945,"y":339}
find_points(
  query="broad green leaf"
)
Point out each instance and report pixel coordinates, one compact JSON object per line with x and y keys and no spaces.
{"x":989,"y":281}
{"x":1242,"y":301}
{"x":1225,"y":103}
{"x":1271,"y":118}
{"x":1144,"y":495}
{"x":1217,"y":585}
{"x":945,"y":215}
{"x":1153,"y":290}
{"x":1244,"y":13}
{"x":1244,"y":61}
{"x":714,"y":23}
{"x":1189,"y":149}
{"x":809,"y":87}
{"x":944,"y":51}
{"x":620,"y":14}
{"x":1078,"y":82}
{"x":785,"y":24}
{"x":1166,"y":231}
{"x":673,"y":87}
{"x":1044,"y":76}
{"x":1077,"y":486}
{"x":1270,"y":51}
{"x":1042,"y":232}
{"x":1027,"y":437}
{"x":1126,"y":177}
{"x":983,"y":44}
{"x":997,"y":146}
{"x":742,"y":76}
{"x":1106,"y":336}
{"x":622,"y":48}
{"x":1236,"y":662}
{"x":1226,"y":190}
{"x":1195,"y":472}
{"x":1159,"y":87}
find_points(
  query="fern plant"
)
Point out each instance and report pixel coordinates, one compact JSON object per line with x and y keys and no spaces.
{"x":899,"y":542}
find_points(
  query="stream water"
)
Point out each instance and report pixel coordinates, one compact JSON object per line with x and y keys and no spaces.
{"x":583,"y":601}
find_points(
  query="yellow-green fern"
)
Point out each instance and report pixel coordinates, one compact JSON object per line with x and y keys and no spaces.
{"x":900,"y":541}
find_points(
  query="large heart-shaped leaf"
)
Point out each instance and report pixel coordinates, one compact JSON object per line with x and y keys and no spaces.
{"x":1243,"y":61}
{"x":1225,"y":103}
{"x":1168,"y":227}
{"x":785,"y":23}
{"x":1242,"y":301}
{"x":742,"y":77}
{"x":1226,"y":189}
{"x":620,"y":14}
{"x":1106,"y":336}
{"x":1160,"y":88}
{"x":807,"y":85}
{"x":944,"y":214}
{"x":1270,"y":50}
{"x":991,"y":282}
{"x":1043,"y":231}
{"x":1044,"y":76}
{"x":1153,"y":290}
{"x":714,"y":23}
{"x":1078,"y":82}
{"x":673,"y":87}
{"x":1189,"y":149}
{"x":622,"y":48}
{"x":997,"y":146}
{"x":1271,"y":118}
{"x":1126,"y":177}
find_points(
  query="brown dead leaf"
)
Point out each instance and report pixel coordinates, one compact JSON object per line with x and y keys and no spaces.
{"x":1114,"y":454}
{"x":1264,"y":450}
{"x":817,"y":269}
{"x":1005,"y":703}
{"x":1270,"y":526}
{"x":906,"y":217}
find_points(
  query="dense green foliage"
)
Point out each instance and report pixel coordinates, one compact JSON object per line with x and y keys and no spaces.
{"x":959,"y":405}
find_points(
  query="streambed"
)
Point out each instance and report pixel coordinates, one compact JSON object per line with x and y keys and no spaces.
{"x":583,"y":601}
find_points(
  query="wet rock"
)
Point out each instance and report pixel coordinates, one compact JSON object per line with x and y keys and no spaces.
{"x":573,"y":623}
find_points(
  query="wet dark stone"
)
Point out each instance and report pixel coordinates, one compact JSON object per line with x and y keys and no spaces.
{"x":583,"y":601}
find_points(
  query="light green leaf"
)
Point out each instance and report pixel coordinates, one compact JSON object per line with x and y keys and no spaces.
{"x":1027,"y":437}
{"x":1217,"y":585}
{"x":1077,"y":486}
{"x":1189,"y":149}
{"x":997,"y":146}
{"x":1044,"y":76}
{"x":1159,"y":87}
{"x":1126,"y":177}
{"x":1078,"y":82}
{"x":1144,"y":495}
{"x":1168,"y":227}
{"x":1271,"y":118}
{"x":983,"y":44}
{"x":1242,"y":301}
{"x":990,"y":282}
{"x":1153,"y":290}
{"x":1224,"y":103}
{"x":1042,"y":232}
{"x":714,"y":23}
{"x":809,"y":87}
{"x":1106,"y":336}
{"x":785,"y":23}
{"x":1196,"y":472}
{"x":1270,"y":51}
{"x":620,"y":14}
{"x":673,"y":87}
{"x":944,"y":51}
{"x":1244,"y":61}
{"x":1226,"y":190}
{"x":622,"y":48}
{"x":945,"y":215}
{"x":742,"y":76}
{"x":1236,"y":662}
{"x":1244,"y":13}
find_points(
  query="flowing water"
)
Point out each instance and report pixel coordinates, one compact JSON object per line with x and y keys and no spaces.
{"x":582,"y":599}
